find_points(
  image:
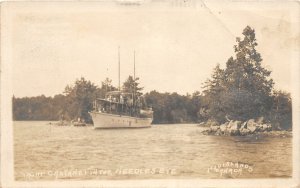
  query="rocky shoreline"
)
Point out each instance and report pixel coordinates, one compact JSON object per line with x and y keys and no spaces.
{"x":239,"y":128}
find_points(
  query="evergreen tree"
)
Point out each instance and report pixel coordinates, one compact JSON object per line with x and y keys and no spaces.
{"x":243,"y":89}
{"x":214,"y":90}
{"x":131,"y":85}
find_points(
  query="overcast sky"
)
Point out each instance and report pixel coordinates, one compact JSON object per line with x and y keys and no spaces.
{"x":176,"y":47}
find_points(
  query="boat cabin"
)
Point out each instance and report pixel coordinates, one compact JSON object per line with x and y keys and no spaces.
{"x":123,"y":103}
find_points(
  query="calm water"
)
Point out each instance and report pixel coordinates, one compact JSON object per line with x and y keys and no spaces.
{"x":47,"y":152}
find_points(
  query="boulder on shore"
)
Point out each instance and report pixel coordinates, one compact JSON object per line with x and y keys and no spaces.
{"x":251,"y":125}
{"x":214,"y":128}
{"x":244,"y":131}
{"x":244,"y":125}
{"x":223,"y":127}
{"x":234,"y":124}
{"x":260,"y":120}
{"x":232,"y":128}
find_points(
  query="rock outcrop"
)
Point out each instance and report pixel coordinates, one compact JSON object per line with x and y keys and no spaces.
{"x":238,"y":128}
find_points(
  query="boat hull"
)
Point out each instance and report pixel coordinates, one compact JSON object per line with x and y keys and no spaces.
{"x":105,"y":120}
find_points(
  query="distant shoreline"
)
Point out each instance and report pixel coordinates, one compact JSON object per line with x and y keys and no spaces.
{"x":50,"y":121}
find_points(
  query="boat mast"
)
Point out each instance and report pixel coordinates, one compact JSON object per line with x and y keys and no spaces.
{"x":134,"y":65}
{"x":134,"y":73}
{"x":134,"y":101}
{"x":119,"y":76}
{"x":119,"y":68}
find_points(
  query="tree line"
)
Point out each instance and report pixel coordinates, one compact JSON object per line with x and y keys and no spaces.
{"x":241,"y":90}
{"x":77,"y":100}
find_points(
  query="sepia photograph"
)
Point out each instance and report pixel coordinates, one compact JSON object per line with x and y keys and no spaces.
{"x":133,"y":93}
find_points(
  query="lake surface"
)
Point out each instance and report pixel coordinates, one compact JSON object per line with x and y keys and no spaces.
{"x":48,"y":152}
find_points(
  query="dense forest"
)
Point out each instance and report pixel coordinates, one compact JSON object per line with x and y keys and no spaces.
{"x":240,"y":91}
